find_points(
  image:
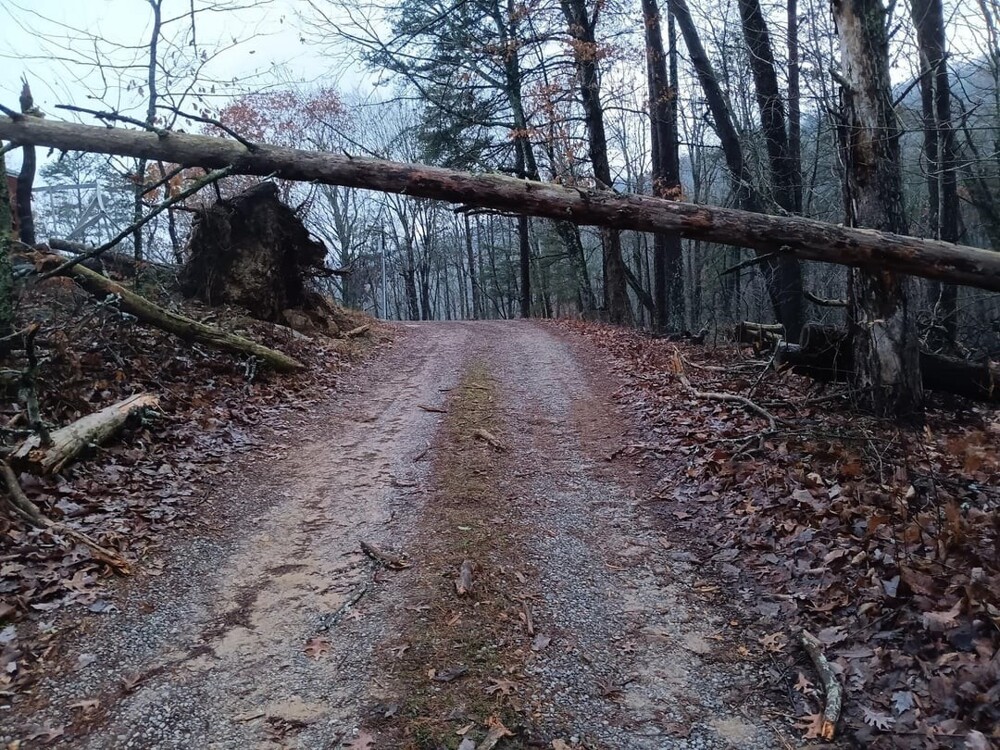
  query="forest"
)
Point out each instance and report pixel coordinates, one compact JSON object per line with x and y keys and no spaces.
{"x":712,"y":288}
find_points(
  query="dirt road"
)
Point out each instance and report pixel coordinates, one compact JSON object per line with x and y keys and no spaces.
{"x":278,"y":631}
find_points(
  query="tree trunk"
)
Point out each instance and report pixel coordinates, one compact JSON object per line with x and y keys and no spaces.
{"x":6,"y":269}
{"x":939,"y":144}
{"x":794,"y":106}
{"x":668,"y":279}
{"x":70,"y":441}
{"x":581,"y":28}
{"x":778,"y":274}
{"x":783,"y":178}
{"x":184,"y":328}
{"x":806,"y":239}
{"x":473,"y":276}
{"x":26,"y":179}
{"x":883,"y":329}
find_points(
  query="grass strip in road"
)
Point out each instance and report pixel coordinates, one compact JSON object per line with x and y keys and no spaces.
{"x":453,"y":668}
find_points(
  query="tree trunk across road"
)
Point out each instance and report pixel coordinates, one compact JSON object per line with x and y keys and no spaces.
{"x":804,"y":238}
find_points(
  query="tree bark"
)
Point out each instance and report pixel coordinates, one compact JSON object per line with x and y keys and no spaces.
{"x":6,"y":269}
{"x":794,"y":106}
{"x":783,"y":178}
{"x":883,"y":328}
{"x":70,"y":441}
{"x":806,"y":239}
{"x":26,"y":178}
{"x":778,"y":274}
{"x":473,"y":275}
{"x":668,"y":279}
{"x":939,"y":144}
{"x":581,"y":28}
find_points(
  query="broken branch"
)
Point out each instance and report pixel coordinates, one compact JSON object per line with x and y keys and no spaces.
{"x":831,"y":688}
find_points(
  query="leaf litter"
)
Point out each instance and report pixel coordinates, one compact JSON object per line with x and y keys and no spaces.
{"x":884,"y":539}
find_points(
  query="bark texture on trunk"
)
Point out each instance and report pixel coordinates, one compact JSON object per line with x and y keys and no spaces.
{"x":782,"y":166}
{"x":883,"y":328}
{"x":939,"y":146}
{"x":6,"y":270}
{"x":26,"y":179}
{"x":586,"y":52}
{"x":668,"y":277}
{"x":784,"y":284}
{"x":807,"y":239}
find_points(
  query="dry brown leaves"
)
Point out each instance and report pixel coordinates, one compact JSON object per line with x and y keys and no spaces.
{"x":881,"y":538}
{"x":136,"y":489}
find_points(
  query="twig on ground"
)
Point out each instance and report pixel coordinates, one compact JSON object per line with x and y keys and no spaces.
{"x":488,"y":438}
{"x":714,"y":396}
{"x":384,"y":558}
{"x":831,"y":688}
{"x":434,"y":409}
{"x":328,"y":621}
{"x":31,"y":513}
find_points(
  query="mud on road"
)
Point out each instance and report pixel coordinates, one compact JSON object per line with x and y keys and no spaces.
{"x":279,"y":632}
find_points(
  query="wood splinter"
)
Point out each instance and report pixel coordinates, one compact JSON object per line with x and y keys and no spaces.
{"x":384,"y":558}
{"x":831,"y":687}
{"x":463,"y":584}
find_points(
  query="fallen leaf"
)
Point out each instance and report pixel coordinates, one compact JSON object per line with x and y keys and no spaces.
{"x":317,"y":647}
{"x":877,"y":719}
{"x":503,"y":686}
{"x":540,"y":642}
{"x":86,"y":705}
{"x":450,"y":674}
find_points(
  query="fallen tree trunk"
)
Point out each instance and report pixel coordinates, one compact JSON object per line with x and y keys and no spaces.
{"x":69,"y":441}
{"x":184,"y":328}
{"x":825,"y":354}
{"x":807,"y":239}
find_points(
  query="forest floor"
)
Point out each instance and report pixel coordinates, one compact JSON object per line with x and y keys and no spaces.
{"x":638,"y":574}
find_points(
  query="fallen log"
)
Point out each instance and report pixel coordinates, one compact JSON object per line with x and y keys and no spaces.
{"x":184,"y":328}
{"x":359,"y":331}
{"x":749,"y":332}
{"x":803,"y":238}
{"x":825,"y":354}
{"x":70,"y":441}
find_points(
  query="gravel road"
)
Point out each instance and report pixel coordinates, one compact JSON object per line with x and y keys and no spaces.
{"x":243,"y":639}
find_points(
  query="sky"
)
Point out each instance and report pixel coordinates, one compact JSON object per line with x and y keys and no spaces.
{"x":56,"y":44}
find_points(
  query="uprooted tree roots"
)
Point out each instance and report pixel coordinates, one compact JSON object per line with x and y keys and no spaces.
{"x":253,"y":251}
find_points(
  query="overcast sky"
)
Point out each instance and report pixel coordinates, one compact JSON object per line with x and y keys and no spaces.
{"x":56,"y":43}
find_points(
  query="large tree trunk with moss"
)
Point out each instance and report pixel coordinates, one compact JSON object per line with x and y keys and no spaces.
{"x":883,"y":327}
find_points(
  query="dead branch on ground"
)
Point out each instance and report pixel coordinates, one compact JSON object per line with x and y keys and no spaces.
{"x":831,"y":688}
{"x":715,"y":396}
{"x":392,"y":562}
{"x":22,"y":507}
